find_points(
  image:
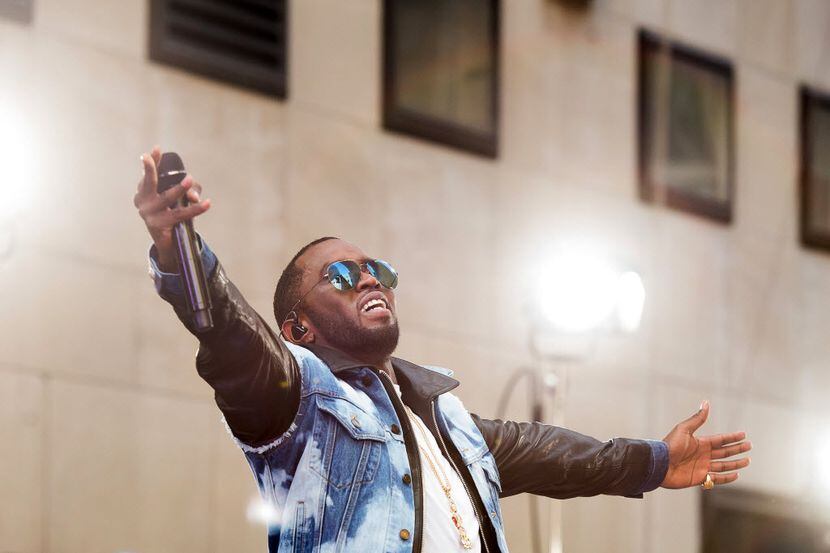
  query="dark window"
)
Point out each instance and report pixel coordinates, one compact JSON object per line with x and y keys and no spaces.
{"x":440,"y":71}
{"x":685,"y":128}
{"x":745,"y":521}
{"x":815,"y":169}
{"x":16,"y":10}
{"x":238,"y":41}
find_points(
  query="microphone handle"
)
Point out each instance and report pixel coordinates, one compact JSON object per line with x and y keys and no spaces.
{"x":193,"y":274}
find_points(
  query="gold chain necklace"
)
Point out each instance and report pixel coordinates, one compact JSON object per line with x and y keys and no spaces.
{"x":435,"y":465}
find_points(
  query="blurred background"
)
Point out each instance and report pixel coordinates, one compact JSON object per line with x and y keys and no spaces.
{"x":511,"y":159}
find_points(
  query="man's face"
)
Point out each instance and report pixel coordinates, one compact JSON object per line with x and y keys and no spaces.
{"x":340,"y":319}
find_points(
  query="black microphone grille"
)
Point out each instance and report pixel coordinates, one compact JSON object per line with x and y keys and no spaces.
{"x":170,"y":171}
{"x":170,"y":163}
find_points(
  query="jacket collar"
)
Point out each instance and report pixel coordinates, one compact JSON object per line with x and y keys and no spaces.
{"x":416,"y":382}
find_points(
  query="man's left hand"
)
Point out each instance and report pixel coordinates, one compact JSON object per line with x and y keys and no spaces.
{"x":691,"y":457}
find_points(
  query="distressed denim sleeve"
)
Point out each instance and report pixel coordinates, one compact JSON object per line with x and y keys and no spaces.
{"x":254,"y":376}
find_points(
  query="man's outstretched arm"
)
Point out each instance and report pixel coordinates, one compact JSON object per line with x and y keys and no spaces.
{"x":541,"y":459}
{"x":254,"y":376}
{"x":555,"y":462}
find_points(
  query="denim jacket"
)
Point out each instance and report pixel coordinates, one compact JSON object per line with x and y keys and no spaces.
{"x":334,"y":454}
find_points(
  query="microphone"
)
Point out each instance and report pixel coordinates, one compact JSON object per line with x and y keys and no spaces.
{"x":170,"y":173}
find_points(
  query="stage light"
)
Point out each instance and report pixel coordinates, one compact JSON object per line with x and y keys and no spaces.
{"x":576,"y":292}
{"x":261,"y":512}
{"x":579,"y":292}
{"x":16,"y":162}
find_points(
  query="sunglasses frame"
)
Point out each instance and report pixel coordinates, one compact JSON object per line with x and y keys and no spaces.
{"x":362,"y":266}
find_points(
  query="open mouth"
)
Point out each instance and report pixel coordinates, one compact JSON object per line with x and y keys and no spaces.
{"x":373,"y":305}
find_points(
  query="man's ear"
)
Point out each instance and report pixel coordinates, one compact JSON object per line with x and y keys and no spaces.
{"x":297,"y":332}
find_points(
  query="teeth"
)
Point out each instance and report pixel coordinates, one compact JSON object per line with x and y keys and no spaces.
{"x":373,"y":303}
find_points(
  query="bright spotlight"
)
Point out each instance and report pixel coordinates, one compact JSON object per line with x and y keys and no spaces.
{"x":16,"y":161}
{"x":580,"y":292}
{"x":577,"y":292}
{"x":261,"y":512}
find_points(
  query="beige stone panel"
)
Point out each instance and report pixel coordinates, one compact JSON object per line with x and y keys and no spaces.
{"x":782,"y":443}
{"x":165,"y":350}
{"x":121,"y":28}
{"x":68,"y":315}
{"x":83,"y":108}
{"x":21,"y":448}
{"x":527,"y":116}
{"x":336,"y":57}
{"x":439,"y":231}
{"x":765,"y":34}
{"x":235,"y":491}
{"x":689,"y":287}
{"x":333,"y":185}
{"x":622,"y":523}
{"x":812,"y":41}
{"x":516,"y":511}
{"x":766,"y":148}
{"x":568,"y":97}
{"x":764,"y":318}
{"x":708,"y":24}
{"x":141,"y":463}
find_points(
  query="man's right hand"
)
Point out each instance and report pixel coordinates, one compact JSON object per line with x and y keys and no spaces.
{"x":156,"y":209}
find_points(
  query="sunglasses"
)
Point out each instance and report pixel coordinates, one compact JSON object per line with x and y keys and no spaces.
{"x":345,"y":275}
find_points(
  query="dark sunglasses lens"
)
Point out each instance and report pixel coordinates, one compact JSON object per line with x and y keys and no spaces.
{"x":344,"y":275}
{"x":384,"y":272}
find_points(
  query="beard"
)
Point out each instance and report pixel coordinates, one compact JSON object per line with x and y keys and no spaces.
{"x":370,"y":344}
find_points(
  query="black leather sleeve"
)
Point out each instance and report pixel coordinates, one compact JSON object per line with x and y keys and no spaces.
{"x":254,"y":376}
{"x":555,"y":462}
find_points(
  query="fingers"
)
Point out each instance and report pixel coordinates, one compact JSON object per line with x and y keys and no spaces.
{"x":731,"y":450}
{"x":694,"y":422}
{"x":726,"y":466}
{"x":724,"y":478}
{"x":156,"y":154}
{"x":147,"y":185}
{"x":189,"y":212}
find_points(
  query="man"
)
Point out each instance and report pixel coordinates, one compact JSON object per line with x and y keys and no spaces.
{"x":360,"y":451}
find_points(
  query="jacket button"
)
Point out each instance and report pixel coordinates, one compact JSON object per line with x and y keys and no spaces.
{"x":395,"y":429}
{"x":404,"y":534}
{"x":366,"y":381}
{"x":355,"y":422}
{"x":406,"y":479}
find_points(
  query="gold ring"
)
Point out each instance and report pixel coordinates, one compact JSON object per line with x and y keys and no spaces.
{"x":708,"y":484}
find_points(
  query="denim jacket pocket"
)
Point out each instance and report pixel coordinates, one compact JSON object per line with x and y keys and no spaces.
{"x":348,"y":443}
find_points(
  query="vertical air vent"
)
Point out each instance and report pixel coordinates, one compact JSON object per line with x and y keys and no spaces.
{"x":239,"y":41}
{"x":16,"y":10}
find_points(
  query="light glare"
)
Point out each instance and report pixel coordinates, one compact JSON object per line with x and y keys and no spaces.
{"x":631,"y":295}
{"x":261,"y":512}
{"x":577,"y":293}
{"x":15,"y":159}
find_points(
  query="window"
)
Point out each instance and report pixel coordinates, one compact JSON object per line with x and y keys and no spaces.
{"x":440,"y":71}
{"x":815,"y":169}
{"x":685,"y":128}
{"x":238,"y":41}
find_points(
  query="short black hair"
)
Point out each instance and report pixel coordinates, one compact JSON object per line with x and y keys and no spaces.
{"x":288,"y":286}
